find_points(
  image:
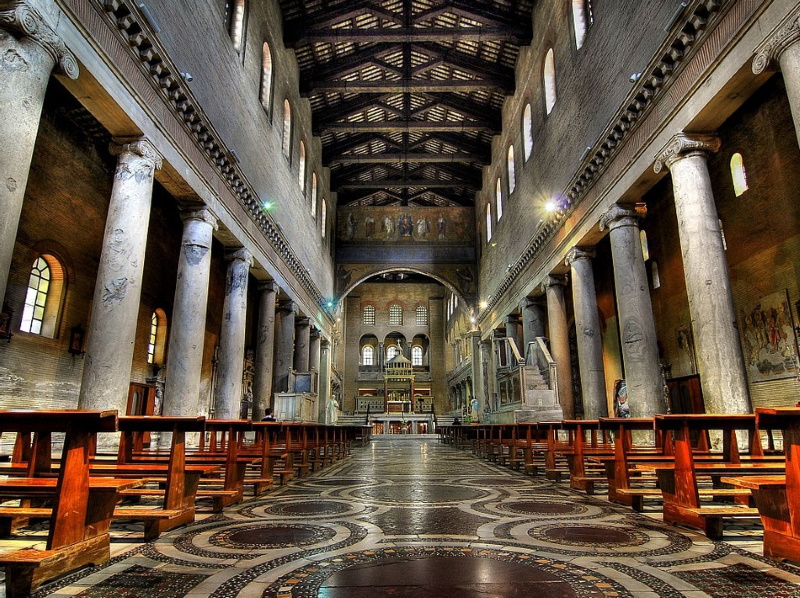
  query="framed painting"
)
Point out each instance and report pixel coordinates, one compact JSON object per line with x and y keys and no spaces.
{"x":768,"y":339}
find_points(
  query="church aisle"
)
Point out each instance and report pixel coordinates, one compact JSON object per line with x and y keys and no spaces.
{"x":407,"y":516}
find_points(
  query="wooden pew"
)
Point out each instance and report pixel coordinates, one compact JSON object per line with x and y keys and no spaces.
{"x":82,"y":506}
{"x":777,"y":497}
{"x":577,"y":450}
{"x":532,"y":442}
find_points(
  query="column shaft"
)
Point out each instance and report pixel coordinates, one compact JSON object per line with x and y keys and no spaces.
{"x":265,"y":349}
{"x":228,"y":393}
{"x":188,"y":326}
{"x":115,"y":310}
{"x":636,"y":324}
{"x":559,"y":342}
{"x":29,"y":49}
{"x":284,"y":346}
{"x":589,"y":337}
{"x":719,"y":352}
{"x":533,"y":319}
{"x":327,"y":408}
{"x":513,"y":332}
{"x":302,"y":340}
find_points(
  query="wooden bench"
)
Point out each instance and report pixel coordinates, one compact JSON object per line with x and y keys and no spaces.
{"x":82,"y":507}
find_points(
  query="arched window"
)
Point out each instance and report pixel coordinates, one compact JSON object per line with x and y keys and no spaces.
{"x":488,"y":222}
{"x":549,"y":77}
{"x":235,"y":11}
{"x":266,"y":77}
{"x":738,"y":174}
{"x":287,"y":129}
{"x":324,"y":219}
{"x":422,"y":315}
{"x":512,"y":171}
{"x":392,"y":352}
{"x":46,"y":286}
{"x":158,"y":336}
{"x":314,"y":194}
{"x":416,"y":355}
{"x":368,"y":355}
{"x":368,"y":315}
{"x":527,"y":131}
{"x":645,"y":245}
{"x":395,"y":315}
{"x":498,"y":198}
{"x":582,"y":19}
{"x":301,"y":176}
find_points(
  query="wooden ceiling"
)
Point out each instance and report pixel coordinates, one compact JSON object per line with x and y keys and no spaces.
{"x":406,"y":94}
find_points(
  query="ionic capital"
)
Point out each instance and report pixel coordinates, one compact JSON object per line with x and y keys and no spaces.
{"x":303,"y":322}
{"x":290,"y":306}
{"x":21,"y":19}
{"x":781,"y":38}
{"x":241,"y":255}
{"x":201,"y":215}
{"x":139,"y":146}
{"x":268,"y":286}
{"x":684,"y":145}
{"x":579,"y":253}
{"x":618,"y":216}
{"x":554,"y":280}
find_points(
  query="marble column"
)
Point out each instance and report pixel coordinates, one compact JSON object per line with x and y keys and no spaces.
{"x":719,"y":354}
{"x":188,"y":326}
{"x":513,"y":332}
{"x":30,"y":50}
{"x":324,"y":391}
{"x":533,"y":319}
{"x":782,"y":47}
{"x":635,"y":311}
{"x":265,"y":348}
{"x":302,"y":340}
{"x":313,"y":350}
{"x":559,"y":341}
{"x":589,"y":335}
{"x":118,"y":287}
{"x":489,"y":377}
{"x":284,"y":346}
{"x":478,"y":386}
{"x":228,"y":393}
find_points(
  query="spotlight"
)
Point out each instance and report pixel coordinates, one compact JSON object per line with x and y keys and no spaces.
{"x":187,"y":77}
{"x":635,"y":77}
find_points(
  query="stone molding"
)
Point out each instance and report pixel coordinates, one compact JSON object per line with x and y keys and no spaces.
{"x":579,"y":253}
{"x":684,"y":37}
{"x":19,"y":17}
{"x":202,"y":214}
{"x":684,"y":145}
{"x":139,"y":146}
{"x":126,"y":22}
{"x":242,"y":255}
{"x":618,"y":216}
{"x":782,"y":37}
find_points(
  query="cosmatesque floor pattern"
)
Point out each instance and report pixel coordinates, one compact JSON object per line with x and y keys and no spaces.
{"x":409,"y":517}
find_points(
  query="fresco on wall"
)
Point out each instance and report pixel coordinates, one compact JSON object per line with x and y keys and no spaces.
{"x":768,"y":337}
{"x":397,"y":224}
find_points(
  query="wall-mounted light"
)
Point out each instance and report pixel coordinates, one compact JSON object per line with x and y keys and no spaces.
{"x":76,"y":337}
{"x":5,"y":322}
{"x":187,"y":77}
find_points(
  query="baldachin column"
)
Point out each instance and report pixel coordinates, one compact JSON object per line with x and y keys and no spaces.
{"x":719,"y":353}
{"x":589,"y":337}
{"x":118,"y":287}
{"x":636,"y":323}
{"x":188,"y":329}
{"x":559,"y":342}
{"x":265,"y":349}
{"x":228,"y":399}
{"x":29,"y":49}
{"x":782,"y":46}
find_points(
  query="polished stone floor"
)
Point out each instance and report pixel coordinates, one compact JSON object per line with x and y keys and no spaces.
{"x":407,"y":516}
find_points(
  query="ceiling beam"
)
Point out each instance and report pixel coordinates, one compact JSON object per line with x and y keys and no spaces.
{"x":459,"y":141}
{"x":408,"y":183}
{"x":413,"y":86}
{"x":413,"y":126}
{"x":420,"y":157}
{"x":463,"y":61}
{"x":354,"y":142}
{"x":516,"y":35}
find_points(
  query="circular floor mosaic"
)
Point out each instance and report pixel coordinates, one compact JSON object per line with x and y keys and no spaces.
{"x":589,"y":535}
{"x":531,"y":507}
{"x":272,"y":536}
{"x":420,"y":493}
{"x":311,"y":507}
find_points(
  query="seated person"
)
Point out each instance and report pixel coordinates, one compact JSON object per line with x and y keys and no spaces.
{"x":268,"y":417}
{"x":456,"y":422}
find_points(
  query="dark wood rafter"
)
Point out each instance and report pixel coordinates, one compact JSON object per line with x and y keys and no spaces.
{"x":388,"y":126}
{"x":412,"y":157}
{"x":413,"y":86}
{"x":512,"y":34}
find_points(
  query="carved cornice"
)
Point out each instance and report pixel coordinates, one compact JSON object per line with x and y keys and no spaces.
{"x":18,"y":17}
{"x":684,"y":37}
{"x":684,"y":145}
{"x":785,"y":35}
{"x":579,"y":253}
{"x":617,"y":216}
{"x":202,"y":214}
{"x":240,"y":255}
{"x":126,"y":22}
{"x":139,"y":146}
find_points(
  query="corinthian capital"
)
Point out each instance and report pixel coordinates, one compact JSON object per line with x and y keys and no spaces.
{"x":139,"y":146}
{"x":579,"y":253}
{"x":785,"y":35}
{"x":618,"y":215}
{"x":21,"y":19}
{"x":684,"y":145}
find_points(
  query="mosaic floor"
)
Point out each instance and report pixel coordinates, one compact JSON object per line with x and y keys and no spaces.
{"x":407,"y":517}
